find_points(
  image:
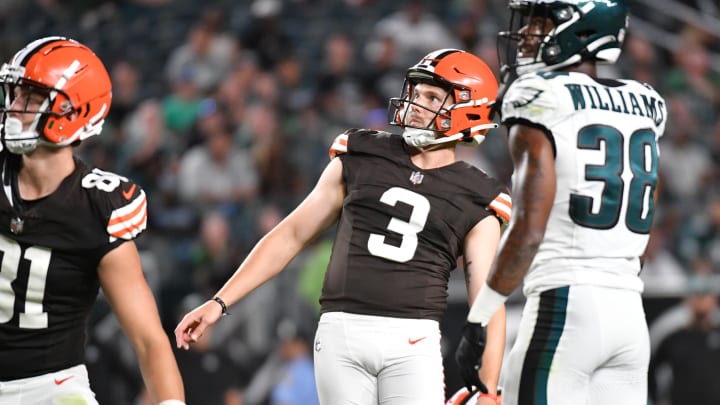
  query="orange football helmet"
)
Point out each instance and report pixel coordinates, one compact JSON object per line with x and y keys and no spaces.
{"x":468,"y":80}
{"x":76,"y":88}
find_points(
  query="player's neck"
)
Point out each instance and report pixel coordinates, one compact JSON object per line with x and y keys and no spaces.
{"x":43,"y":170}
{"x":587,"y":67}
{"x":433,"y":156}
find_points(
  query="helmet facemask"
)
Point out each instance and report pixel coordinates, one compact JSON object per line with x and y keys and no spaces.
{"x":421,"y":135}
{"x":62,"y":85}
{"x":27,"y":98}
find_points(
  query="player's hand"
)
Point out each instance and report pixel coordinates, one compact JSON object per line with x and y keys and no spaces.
{"x":469,"y":355}
{"x":195,"y":322}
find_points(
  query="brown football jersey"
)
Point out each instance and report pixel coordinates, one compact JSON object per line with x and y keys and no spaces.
{"x":401,"y":230}
{"x":50,"y":249}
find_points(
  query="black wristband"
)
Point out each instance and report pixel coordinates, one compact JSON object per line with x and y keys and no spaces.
{"x":222,"y":304}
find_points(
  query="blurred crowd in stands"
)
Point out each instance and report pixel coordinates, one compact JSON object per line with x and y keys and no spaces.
{"x":223,"y":110}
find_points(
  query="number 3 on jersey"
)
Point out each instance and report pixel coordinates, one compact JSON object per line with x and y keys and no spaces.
{"x":408,"y":230}
{"x":643,"y":164}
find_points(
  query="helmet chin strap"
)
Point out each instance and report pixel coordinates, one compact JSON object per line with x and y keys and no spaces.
{"x":421,"y":138}
{"x":478,"y":139}
{"x":17,"y":140}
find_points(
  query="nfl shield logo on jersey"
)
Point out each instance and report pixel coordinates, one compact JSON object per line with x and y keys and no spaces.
{"x":416,"y":178}
{"x":16,"y":225}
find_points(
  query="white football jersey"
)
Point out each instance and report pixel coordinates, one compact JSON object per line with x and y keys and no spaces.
{"x":605,"y":133}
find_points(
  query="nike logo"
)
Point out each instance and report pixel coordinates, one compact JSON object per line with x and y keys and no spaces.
{"x":413,"y":341}
{"x":62,"y":380}
{"x":129,"y":193}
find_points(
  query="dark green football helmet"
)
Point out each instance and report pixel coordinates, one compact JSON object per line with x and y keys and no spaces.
{"x":574,"y":31}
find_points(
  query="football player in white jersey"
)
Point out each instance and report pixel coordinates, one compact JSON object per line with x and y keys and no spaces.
{"x":585,"y":154}
{"x":67,"y":229}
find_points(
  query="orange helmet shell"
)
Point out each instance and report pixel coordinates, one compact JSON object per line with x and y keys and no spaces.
{"x":470,"y":81}
{"x":76,"y":80}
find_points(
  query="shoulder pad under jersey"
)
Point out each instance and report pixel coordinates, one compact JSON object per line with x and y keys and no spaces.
{"x":530,"y":97}
{"x":340,"y":143}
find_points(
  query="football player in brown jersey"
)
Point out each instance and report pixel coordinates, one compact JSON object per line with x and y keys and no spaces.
{"x":405,"y":210}
{"x":67,"y":229}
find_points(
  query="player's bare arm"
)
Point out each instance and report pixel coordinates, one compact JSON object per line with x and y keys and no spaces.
{"x":480,"y":248}
{"x":124,"y":285}
{"x":273,"y":252}
{"x":315,"y":214}
{"x":533,"y":195}
{"x":656,"y":196}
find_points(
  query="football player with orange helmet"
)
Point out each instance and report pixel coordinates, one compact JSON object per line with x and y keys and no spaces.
{"x":405,"y":210}
{"x":67,"y":229}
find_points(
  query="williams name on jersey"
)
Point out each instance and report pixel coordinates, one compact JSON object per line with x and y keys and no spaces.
{"x":605,"y":136}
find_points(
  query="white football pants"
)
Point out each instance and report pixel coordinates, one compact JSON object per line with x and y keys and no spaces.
{"x":375,"y":360}
{"x":579,"y":345}
{"x":69,"y":386}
